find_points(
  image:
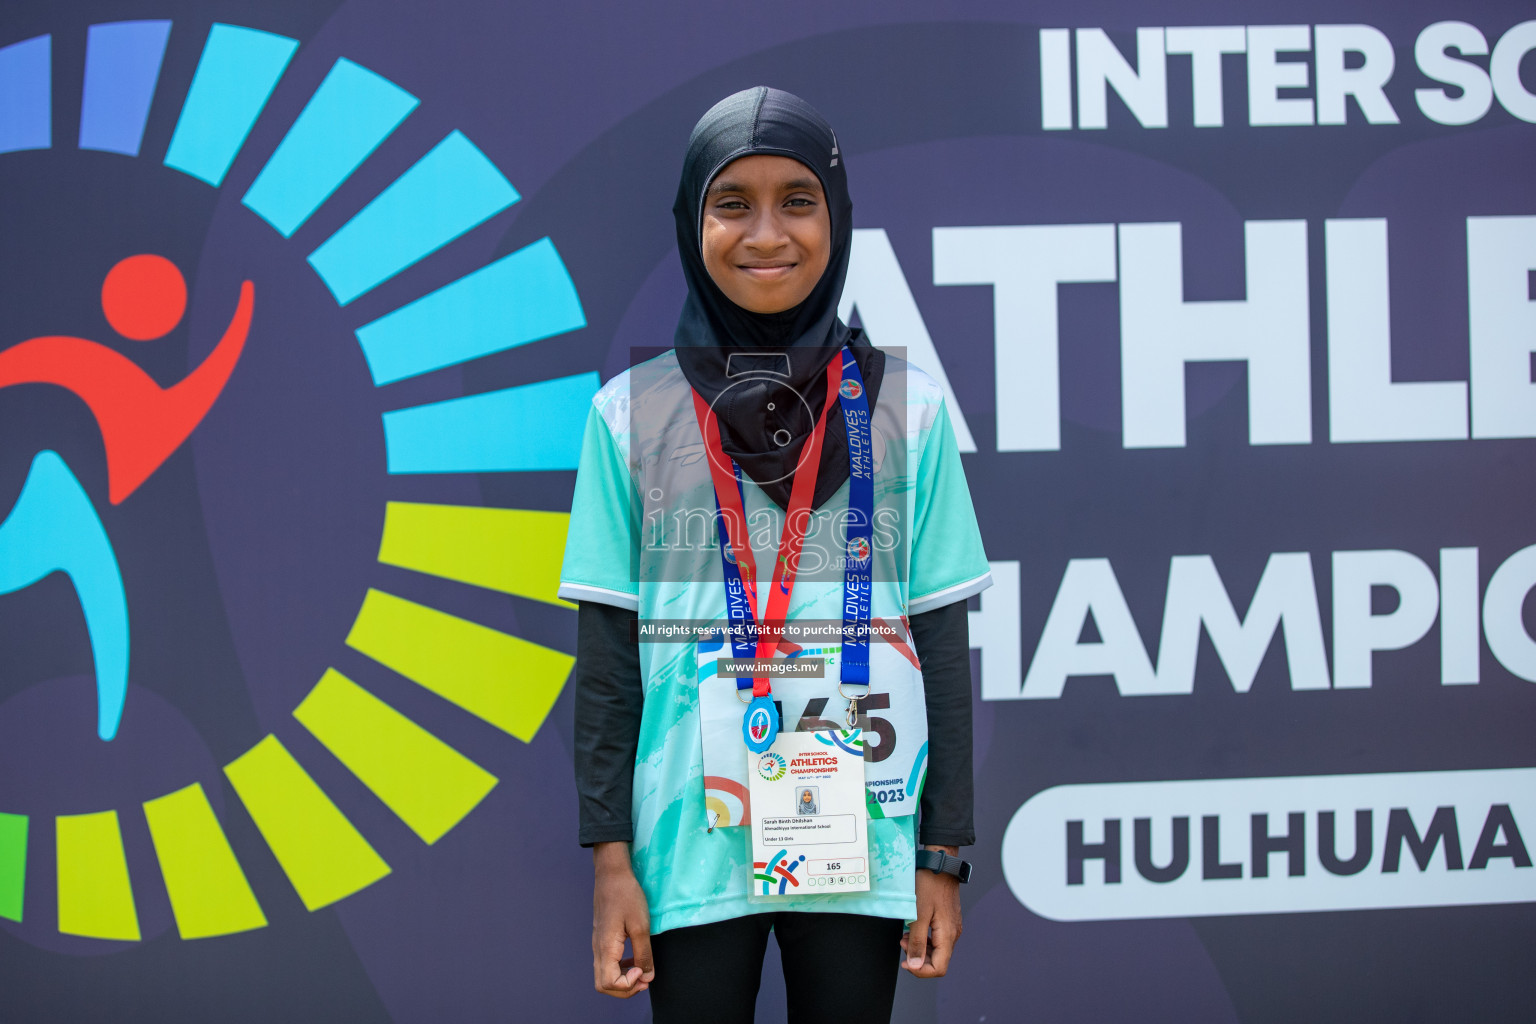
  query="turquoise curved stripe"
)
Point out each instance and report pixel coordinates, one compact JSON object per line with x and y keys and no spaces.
{"x":122,"y":65}
{"x":527,"y":296}
{"x":919,"y":766}
{"x":26,"y":95}
{"x":54,"y":528}
{"x":519,"y":429}
{"x":344,"y":121}
{"x":444,"y":194}
{"x":235,"y":76}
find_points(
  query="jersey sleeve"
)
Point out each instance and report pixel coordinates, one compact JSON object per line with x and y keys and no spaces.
{"x":601,"y":545}
{"x":948,"y":562}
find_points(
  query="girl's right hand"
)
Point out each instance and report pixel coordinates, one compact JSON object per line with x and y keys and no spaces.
{"x":619,"y":912}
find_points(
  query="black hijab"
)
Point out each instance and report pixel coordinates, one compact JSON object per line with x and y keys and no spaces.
{"x":764,"y":373}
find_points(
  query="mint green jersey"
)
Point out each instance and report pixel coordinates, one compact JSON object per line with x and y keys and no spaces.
{"x":635,"y":542}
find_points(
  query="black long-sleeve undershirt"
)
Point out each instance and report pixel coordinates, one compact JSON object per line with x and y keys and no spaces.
{"x":609,"y":698}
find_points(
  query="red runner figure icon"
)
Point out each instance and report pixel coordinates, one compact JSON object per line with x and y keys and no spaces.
{"x":141,"y":423}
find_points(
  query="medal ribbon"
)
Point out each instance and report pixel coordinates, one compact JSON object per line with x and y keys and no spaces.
{"x":741,"y":573}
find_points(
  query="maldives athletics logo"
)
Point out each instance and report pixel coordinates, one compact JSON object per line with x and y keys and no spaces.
{"x":771,"y":767}
{"x":201,"y":445}
{"x":759,"y":722}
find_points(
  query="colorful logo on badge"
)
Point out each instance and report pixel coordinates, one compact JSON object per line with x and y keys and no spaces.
{"x":778,"y":870}
{"x":850,"y":389}
{"x":771,"y":767}
{"x":858,"y":548}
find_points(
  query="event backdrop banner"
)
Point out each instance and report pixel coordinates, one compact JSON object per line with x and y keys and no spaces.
{"x":304,"y":302}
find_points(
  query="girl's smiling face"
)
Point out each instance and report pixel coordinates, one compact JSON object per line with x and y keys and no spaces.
{"x":766,"y":235}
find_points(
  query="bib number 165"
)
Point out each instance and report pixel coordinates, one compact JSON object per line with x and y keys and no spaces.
{"x":884,"y":738}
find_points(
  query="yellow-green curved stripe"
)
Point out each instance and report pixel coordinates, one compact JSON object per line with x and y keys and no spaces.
{"x":95,"y":896}
{"x":510,"y":682}
{"x":323,"y":855}
{"x":13,"y":864}
{"x":426,"y":782}
{"x":209,"y":893}
{"x":513,"y":550}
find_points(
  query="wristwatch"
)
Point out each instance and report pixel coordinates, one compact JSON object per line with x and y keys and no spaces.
{"x":940,"y":862}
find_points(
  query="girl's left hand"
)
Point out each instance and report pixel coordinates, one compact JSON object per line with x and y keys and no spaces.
{"x":930,"y":940}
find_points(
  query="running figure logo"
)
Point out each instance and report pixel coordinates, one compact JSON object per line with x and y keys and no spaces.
{"x":53,"y":527}
{"x":757,"y":725}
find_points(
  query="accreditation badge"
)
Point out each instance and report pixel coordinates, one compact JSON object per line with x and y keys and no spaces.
{"x":892,"y":721}
{"x":810,"y":829}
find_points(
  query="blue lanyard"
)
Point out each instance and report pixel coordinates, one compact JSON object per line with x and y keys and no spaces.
{"x":738,"y":607}
{"x":858,"y":556}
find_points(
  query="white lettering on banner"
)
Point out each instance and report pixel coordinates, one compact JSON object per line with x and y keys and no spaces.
{"x":1501,"y":253}
{"x":1502,"y":621}
{"x":1286,"y":595}
{"x":1504,"y":69}
{"x":878,"y":289}
{"x":995,"y":631}
{"x":1024,"y":265}
{"x":1205,"y":47}
{"x":1364,"y":404}
{"x":1357,"y":631}
{"x":1335,"y":80}
{"x":1268,"y":74}
{"x":1160,"y":332}
{"x":1432,"y":51}
{"x":1274,"y":845}
{"x":1089,"y":588}
{"x":1100,"y":67}
{"x":1055,"y":79}
{"x":1459,"y":619}
{"x":1197,"y":601}
{"x":1338,"y":62}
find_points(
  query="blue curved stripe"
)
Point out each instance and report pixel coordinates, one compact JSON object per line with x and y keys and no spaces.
{"x":54,"y":528}
{"x":235,"y":76}
{"x":444,"y":194}
{"x":524,"y":297}
{"x":26,"y":95}
{"x":919,"y":764}
{"x":122,"y":65}
{"x":344,"y":121}
{"x":829,"y":738}
{"x":530,"y":427}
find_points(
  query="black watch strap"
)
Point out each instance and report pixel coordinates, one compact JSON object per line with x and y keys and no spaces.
{"x":941,"y":863}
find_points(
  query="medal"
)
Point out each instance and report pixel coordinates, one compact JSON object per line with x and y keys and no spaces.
{"x":760,"y":725}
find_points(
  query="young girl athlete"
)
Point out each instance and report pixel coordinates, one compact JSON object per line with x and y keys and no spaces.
{"x":764,"y":228}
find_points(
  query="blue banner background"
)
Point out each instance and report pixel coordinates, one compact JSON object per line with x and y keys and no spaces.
{"x":246,"y":556}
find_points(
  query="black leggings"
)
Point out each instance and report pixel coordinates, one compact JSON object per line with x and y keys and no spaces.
{"x":837,"y":967}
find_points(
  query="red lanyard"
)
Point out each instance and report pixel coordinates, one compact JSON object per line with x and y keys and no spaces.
{"x":796,"y":520}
